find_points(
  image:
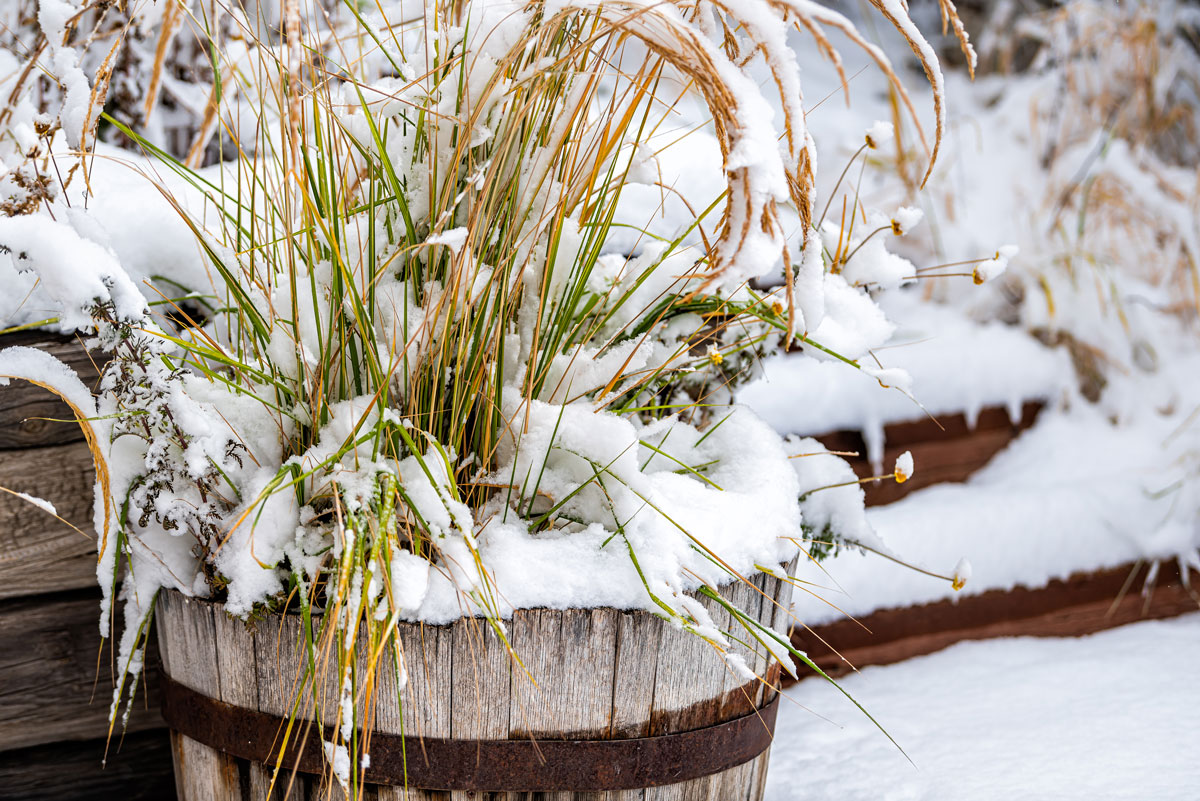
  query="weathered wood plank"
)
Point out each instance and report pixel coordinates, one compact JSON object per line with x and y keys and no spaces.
{"x":55,"y":682}
{"x":38,"y":553}
{"x":424,"y":700}
{"x":138,"y":769}
{"x":28,"y":413}
{"x":638,"y":637}
{"x":280,"y":677}
{"x":758,"y":777}
{"x":202,"y":773}
{"x":480,"y":682}
{"x":280,"y":665}
{"x":237,"y":669}
{"x":480,"y":688}
{"x":237,"y":665}
{"x":188,"y":636}
{"x":401,"y":794}
{"x":691,"y":674}
{"x":562,"y":692}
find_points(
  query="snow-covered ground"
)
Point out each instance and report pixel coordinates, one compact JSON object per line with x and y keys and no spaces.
{"x":1112,"y":716}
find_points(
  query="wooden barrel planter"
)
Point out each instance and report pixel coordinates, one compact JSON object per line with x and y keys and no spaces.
{"x":1083,"y":603}
{"x":617,"y":705}
{"x":946,"y":449}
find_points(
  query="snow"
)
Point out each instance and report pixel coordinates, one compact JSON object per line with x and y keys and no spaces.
{"x":994,"y":267}
{"x":879,"y":134}
{"x":339,"y":760}
{"x":40,"y":503}
{"x":53,"y":17}
{"x":1074,"y":493}
{"x":74,"y":271}
{"x":128,"y":238}
{"x":961,"y":574}
{"x":663,"y":515}
{"x":453,"y":239}
{"x":955,"y":365}
{"x":1115,"y":715}
{"x":905,"y":219}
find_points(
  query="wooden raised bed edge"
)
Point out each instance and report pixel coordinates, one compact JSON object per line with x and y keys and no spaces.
{"x":1084,"y":603}
{"x":944,"y":450}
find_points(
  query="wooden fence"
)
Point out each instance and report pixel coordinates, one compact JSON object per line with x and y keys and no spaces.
{"x":55,"y":678}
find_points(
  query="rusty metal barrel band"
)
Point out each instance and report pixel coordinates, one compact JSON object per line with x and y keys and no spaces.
{"x":520,"y":765}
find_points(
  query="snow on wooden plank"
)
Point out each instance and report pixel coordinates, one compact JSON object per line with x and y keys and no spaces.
{"x":945,"y":449}
{"x":1082,"y":604}
{"x":31,"y":416}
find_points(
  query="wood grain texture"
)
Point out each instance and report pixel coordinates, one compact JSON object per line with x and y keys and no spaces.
{"x":187,"y":631}
{"x":583,"y":673}
{"x":557,"y":694}
{"x":480,"y":682}
{"x":55,"y":682}
{"x":638,"y":637}
{"x":1082,"y":604}
{"x":947,"y":449}
{"x":422,"y":704}
{"x":30,"y":415}
{"x":138,"y":769}
{"x":38,"y":553}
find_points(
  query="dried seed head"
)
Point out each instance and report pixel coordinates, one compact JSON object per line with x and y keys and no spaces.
{"x":962,"y":572}
{"x":995,"y":266}
{"x":904,"y":467}
{"x":905,"y":219}
{"x":879,"y":135}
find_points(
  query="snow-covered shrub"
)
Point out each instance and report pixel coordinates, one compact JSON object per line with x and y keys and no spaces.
{"x":1097,"y":107}
{"x":417,"y":381}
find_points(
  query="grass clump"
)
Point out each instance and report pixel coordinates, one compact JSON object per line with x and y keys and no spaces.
{"x":415,"y":341}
